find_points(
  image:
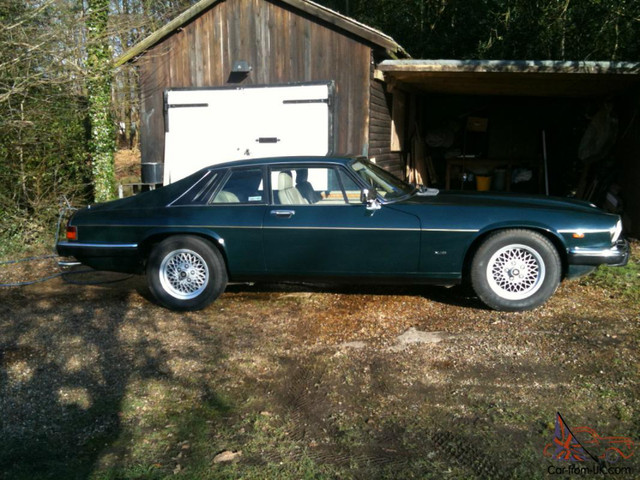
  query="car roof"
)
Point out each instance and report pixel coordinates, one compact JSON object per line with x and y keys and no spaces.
{"x":283,"y":160}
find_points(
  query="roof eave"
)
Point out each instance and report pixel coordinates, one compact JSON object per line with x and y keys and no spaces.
{"x":375,"y":37}
{"x":510,"y":66}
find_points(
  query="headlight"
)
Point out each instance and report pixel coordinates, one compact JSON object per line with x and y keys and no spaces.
{"x":616,"y":231}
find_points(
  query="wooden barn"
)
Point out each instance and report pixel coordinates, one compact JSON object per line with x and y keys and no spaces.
{"x":547,"y":127}
{"x":245,"y":43}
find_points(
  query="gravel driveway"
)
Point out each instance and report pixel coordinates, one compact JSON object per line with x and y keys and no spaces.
{"x":306,"y":382}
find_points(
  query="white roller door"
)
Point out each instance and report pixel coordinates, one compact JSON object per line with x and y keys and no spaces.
{"x":209,"y":126}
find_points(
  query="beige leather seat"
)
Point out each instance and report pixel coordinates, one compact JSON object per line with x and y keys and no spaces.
{"x":226,"y":197}
{"x":287,"y":193}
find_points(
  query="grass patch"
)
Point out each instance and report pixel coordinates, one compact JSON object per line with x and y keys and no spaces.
{"x":621,"y":281}
{"x":14,"y":246}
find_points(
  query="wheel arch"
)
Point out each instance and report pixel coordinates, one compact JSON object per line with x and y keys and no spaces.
{"x":155,"y":237}
{"x":555,"y":239}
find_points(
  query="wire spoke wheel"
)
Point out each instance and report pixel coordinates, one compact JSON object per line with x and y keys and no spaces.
{"x":184,"y":274}
{"x":515,"y":272}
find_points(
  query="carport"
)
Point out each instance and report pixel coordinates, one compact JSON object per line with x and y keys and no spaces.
{"x":562,"y":128}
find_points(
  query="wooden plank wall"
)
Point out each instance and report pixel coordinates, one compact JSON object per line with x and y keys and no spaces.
{"x":380,"y":131}
{"x":282,"y":46}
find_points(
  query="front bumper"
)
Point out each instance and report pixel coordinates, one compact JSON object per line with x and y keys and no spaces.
{"x":616,"y":256}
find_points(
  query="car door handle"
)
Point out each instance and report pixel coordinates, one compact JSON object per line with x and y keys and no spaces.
{"x":283,"y":213}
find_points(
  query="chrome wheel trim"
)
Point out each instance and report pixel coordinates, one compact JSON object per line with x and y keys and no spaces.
{"x":184,"y":274}
{"x":515,"y":272}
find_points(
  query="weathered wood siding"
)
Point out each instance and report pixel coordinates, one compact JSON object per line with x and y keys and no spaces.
{"x":380,"y":131}
{"x":281,"y":44}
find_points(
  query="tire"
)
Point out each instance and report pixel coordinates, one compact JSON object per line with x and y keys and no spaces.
{"x":612,"y":455}
{"x":186,"y":273}
{"x":515,"y":270}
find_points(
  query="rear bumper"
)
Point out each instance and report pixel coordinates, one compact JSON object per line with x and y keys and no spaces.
{"x":616,"y":256}
{"x":87,"y":250}
{"x":114,"y":257}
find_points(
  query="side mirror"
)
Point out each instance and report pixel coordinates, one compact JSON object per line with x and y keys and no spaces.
{"x":370,"y":197}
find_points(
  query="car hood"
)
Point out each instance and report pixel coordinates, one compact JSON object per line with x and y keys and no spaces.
{"x":508,"y":200}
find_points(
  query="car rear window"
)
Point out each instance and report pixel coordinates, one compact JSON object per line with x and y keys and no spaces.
{"x":200,"y":193}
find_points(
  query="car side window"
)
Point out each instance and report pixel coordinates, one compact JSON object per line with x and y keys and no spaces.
{"x":351,"y":189}
{"x":299,"y":185}
{"x":243,"y":186}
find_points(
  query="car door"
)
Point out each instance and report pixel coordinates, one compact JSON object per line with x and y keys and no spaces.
{"x":235,"y":212}
{"x":317,"y":225}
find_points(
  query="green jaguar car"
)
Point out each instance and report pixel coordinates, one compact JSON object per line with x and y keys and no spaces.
{"x":340,"y":220}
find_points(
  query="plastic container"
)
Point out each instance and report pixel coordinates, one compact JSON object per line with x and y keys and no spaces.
{"x":483,"y":183}
{"x":499,"y":179}
{"x":152,"y":172}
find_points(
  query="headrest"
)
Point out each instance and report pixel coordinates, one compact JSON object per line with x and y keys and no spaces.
{"x":301,"y":175}
{"x":284,"y":180}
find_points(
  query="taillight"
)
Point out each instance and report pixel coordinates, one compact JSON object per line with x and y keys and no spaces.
{"x":72,"y":233}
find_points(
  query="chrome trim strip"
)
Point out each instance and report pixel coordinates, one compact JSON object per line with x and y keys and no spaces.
{"x":605,"y":252}
{"x":62,"y":263}
{"x":341,"y":228}
{"x":215,"y":205}
{"x":170,"y":204}
{"x":462,"y":230}
{"x":585,"y":230}
{"x":99,"y":245}
{"x":172,"y":226}
{"x":456,"y":230}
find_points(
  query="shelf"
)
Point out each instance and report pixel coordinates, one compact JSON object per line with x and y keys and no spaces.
{"x":474,"y":164}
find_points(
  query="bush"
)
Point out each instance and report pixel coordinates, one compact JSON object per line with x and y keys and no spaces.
{"x":43,"y":159}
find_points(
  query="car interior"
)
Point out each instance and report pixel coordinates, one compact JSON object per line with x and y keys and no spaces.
{"x":243,"y":186}
{"x":298,"y":186}
{"x":307,"y":186}
{"x":287,"y":193}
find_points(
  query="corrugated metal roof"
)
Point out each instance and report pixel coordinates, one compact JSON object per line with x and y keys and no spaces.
{"x":326,"y":14}
{"x":502,"y":66}
{"x":513,"y":77}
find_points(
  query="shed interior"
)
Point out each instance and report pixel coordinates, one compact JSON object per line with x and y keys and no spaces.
{"x":490,"y":125}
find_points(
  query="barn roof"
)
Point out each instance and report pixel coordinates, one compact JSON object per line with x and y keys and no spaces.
{"x":332,"y":17}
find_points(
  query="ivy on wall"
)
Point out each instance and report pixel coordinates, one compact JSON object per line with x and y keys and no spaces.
{"x":99,"y":79}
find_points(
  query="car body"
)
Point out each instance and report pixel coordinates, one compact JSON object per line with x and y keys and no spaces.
{"x":611,"y":449}
{"x":340,"y":219}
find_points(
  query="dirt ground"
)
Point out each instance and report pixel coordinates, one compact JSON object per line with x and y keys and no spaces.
{"x":127,"y":164}
{"x":96,"y":381}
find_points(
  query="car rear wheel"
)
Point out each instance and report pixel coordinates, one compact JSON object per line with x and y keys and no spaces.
{"x":612,"y":455}
{"x":515,"y":270}
{"x":186,"y":273}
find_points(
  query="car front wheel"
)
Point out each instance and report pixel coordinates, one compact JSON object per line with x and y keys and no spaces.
{"x":515,"y":270}
{"x":186,"y":273}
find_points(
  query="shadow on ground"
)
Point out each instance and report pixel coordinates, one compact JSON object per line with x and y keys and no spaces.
{"x":306,"y":381}
{"x":69,"y":357}
{"x":458,"y":295}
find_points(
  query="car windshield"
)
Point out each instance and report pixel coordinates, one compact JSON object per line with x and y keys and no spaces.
{"x":387,"y":185}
